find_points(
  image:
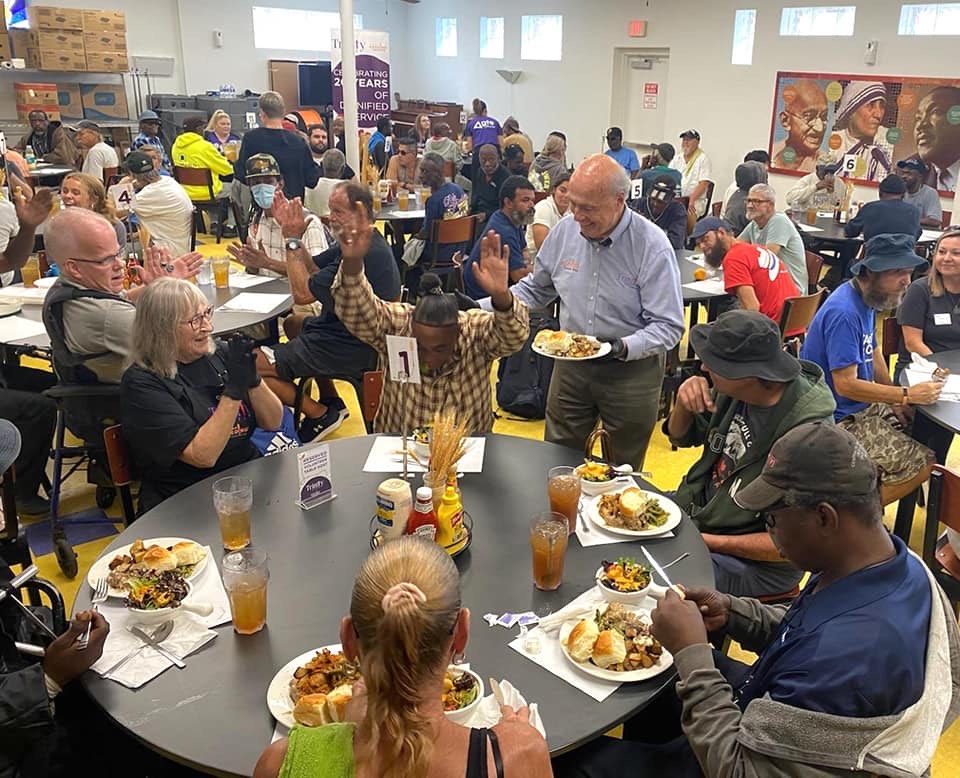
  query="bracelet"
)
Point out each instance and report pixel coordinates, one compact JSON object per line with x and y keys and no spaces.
{"x":906,"y":395}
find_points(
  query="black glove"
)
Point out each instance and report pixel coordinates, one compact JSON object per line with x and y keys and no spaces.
{"x":241,"y":367}
{"x":618,"y":349}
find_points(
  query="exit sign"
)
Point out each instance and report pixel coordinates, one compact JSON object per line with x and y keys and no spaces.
{"x":637,"y":28}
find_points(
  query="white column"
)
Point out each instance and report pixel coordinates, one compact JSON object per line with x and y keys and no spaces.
{"x":349,"y":80}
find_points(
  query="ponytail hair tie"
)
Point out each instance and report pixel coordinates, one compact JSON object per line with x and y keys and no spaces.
{"x":400,"y":593}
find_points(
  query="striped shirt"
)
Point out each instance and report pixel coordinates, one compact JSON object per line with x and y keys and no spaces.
{"x":464,"y":380}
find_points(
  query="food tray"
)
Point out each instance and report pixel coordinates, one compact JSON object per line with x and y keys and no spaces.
{"x":467,"y":525}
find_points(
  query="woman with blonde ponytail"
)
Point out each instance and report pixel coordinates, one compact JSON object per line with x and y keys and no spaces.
{"x":405,"y":626}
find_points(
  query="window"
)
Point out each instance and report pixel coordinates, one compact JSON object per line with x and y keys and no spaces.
{"x":930,"y":19}
{"x":293,"y":29}
{"x":446,"y":36}
{"x":820,"y":20}
{"x":744,"y":25}
{"x":541,"y":37}
{"x":491,"y":37}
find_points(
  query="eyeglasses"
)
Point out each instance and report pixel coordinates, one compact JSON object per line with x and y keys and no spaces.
{"x":196,"y":322}
{"x":118,"y":257}
{"x":809,"y":117}
{"x":755,"y":201}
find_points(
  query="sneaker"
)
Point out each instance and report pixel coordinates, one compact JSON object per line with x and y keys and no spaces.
{"x":319,"y":428}
{"x":338,"y":405}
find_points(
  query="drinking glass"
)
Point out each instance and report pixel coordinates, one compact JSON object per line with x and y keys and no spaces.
{"x":205,"y":273}
{"x":245,"y":577}
{"x":548,"y":542}
{"x":402,"y":200}
{"x":233,"y":498}
{"x":30,"y":272}
{"x":221,"y":271}
{"x":563,"y":490}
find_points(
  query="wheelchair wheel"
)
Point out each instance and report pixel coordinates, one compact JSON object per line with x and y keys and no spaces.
{"x":66,"y":556}
{"x":105,"y":496}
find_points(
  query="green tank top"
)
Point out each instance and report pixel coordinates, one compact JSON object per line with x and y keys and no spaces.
{"x":315,"y":751}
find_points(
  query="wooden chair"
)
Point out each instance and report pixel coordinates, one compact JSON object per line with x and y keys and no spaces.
{"x":108,"y":175}
{"x":891,"y":335}
{"x":14,"y":549}
{"x":306,"y":383}
{"x":539,"y":196}
{"x":710,"y":187}
{"x":121,"y":467}
{"x":372,"y":391}
{"x":797,"y":314}
{"x":203,"y":177}
{"x":947,"y":219}
{"x":715,"y":209}
{"x":458,"y":232}
{"x":814,"y":266}
{"x":449,"y":171}
{"x":943,"y":507}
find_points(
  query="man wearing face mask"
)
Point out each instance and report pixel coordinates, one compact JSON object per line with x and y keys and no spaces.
{"x":517,"y":205}
{"x":266,"y":250}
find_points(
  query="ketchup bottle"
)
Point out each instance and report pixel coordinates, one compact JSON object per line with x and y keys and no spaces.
{"x":423,"y":521}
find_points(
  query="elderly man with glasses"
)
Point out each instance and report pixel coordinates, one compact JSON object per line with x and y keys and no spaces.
{"x":804,"y":119}
{"x":87,"y":309}
{"x":775,"y":232}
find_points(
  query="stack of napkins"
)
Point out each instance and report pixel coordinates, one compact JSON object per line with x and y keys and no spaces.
{"x":921,"y":369}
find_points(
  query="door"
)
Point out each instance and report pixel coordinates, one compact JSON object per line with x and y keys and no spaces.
{"x":640,"y":95}
{"x":285,"y":79}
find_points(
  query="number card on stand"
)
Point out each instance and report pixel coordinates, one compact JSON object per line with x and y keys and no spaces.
{"x":636,"y":189}
{"x":313,"y":466}
{"x":403,"y":359}
{"x":122,"y":196}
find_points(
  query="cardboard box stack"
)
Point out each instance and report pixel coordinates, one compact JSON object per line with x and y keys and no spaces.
{"x":36,"y":97}
{"x":71,"y":39}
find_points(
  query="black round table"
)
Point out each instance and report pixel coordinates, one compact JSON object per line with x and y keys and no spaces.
{"x":213,"y":716}
{"x":223,"y":321}
{"x":946,"y":414}
{"x":696,"y":297}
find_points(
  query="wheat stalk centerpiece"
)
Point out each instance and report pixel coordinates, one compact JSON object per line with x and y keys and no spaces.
{"x":447,"y":437}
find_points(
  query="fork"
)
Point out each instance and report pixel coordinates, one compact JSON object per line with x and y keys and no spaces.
{"x":99,"y":595}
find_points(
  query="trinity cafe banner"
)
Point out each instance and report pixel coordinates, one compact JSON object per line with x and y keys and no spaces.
{"x":373,"y":75}
{"x":868,"y":124}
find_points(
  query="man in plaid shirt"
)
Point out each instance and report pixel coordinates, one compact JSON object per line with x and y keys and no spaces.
{"x":456,"y":347}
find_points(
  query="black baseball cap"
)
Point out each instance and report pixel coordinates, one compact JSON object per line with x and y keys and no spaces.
{"x":137,"y":162}
{"x":913,"y":164}
{"x":513,"y":151}
{"x":666,"y":151}
{"x":818,"y":457}
{"x":690,"y":134}
{"x":744,"y":344}
{"x":889,"y":251}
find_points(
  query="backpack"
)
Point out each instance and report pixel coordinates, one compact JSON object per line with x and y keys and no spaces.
{"x":524,"y":378}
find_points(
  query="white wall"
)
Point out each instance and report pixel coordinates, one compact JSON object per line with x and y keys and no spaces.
{"x":730,"y":105}
{"x":245,"y":66}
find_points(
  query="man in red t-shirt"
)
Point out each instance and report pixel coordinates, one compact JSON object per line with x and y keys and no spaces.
{"x":757,"y":277}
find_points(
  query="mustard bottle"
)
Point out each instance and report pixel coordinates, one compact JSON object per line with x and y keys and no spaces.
{"x":449,"y":514}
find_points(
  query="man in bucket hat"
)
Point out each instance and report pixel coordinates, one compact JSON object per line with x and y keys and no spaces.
{"x":751,"y":393}
{"x":842,"y":341}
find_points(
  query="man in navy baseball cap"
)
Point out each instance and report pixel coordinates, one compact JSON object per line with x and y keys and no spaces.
{"x":914,"y":173}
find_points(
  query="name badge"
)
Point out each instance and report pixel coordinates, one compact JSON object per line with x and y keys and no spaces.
{"x":942,"y":319}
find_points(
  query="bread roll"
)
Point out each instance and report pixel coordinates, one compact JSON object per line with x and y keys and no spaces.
{"x":158,"y":558}
{"x":581,"y":639}
{"x":311,"y":710}
{"x":337,"y":701}
{"x":609,"y":648}
{"x":633,"y":502}
{"x":188,"y":552}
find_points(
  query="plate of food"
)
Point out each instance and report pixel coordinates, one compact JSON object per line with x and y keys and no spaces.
{"x":615,"y":645}
{"x":182,"y":555}
{"x":633,"y":512}
{"x":568,"y":346}
{"x":315,"y":687}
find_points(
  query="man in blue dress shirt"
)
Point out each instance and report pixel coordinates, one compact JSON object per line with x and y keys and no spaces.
{"x":617,"y":279}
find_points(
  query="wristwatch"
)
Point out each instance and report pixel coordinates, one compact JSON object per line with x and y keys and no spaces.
{"x":292,"y":244}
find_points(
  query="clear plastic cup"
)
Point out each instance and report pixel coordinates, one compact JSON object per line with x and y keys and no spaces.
{"x":245,"y":577}
{"x":233,"y":499}
{"x":548,"y":542}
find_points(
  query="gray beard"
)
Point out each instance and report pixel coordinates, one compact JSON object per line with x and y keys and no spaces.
{"x":881,"y":302}
{"x":520,"y":220}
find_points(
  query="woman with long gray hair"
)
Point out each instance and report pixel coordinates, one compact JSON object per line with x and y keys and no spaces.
{"x":189,"y":404}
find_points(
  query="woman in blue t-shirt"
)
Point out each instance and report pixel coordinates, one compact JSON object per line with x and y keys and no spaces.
{"x":482,"y":129}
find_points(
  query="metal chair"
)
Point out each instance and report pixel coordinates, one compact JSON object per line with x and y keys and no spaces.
{"x":943,"y":507}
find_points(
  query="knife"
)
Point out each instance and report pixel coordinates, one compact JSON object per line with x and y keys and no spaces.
{"x":155,"y":645}
{"x":656,"y":566}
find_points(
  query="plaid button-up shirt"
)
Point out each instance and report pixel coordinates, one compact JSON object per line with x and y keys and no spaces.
{"x":463,"y":383}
